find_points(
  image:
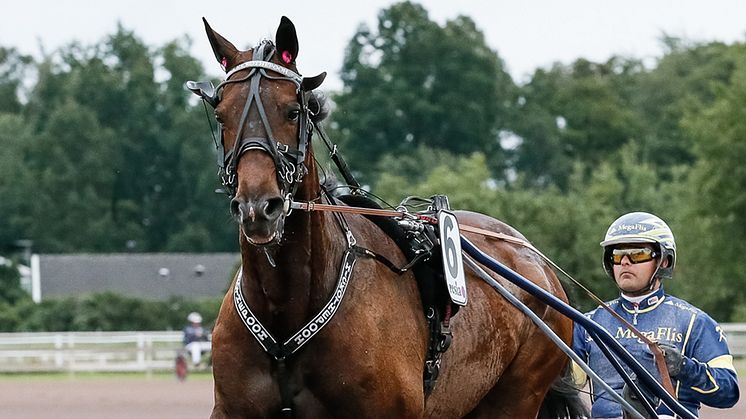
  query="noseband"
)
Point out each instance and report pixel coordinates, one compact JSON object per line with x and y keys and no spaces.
{"x":289,"y":162}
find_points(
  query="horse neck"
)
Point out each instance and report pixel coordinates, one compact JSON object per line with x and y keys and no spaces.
{"x":307,"y":264}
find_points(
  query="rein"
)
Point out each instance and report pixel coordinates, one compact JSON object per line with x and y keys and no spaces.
{"x":652,"y":345}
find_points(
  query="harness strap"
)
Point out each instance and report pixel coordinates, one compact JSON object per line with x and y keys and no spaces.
{"x":266,"y":65}
{"x":286,"y":398}
{"x":301,"y":337}
{"x":362,"y":251}
{"x":290,"y":164}
{"x":338,"y":160}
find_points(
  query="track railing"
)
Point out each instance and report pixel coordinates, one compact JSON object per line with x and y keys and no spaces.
{"x":89,"y":351}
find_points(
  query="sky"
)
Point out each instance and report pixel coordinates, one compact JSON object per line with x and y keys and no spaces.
{"x":526,"y":34}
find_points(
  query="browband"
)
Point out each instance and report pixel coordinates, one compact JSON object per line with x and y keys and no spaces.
{"x":269,"y":66}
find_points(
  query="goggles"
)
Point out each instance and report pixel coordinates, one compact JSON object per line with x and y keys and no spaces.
{"x":638,"y":255}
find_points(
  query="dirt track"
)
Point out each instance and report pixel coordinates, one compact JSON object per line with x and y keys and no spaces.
{"x":111,"y":398}
{"x":138,"y":397}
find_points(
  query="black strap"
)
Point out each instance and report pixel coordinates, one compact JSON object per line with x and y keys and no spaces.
{"x":362,"y":251}
{"x":290,"y":164}
{"x":286,"y":398}
{"x":314,"y":326}
{"x":338,"y":160}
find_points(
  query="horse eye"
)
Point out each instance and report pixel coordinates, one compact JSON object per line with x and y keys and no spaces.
{"x":293,"y":114}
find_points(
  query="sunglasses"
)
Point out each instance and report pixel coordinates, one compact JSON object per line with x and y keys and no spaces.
{"x":638,"y":255}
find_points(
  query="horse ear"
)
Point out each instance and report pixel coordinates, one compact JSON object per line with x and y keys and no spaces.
{"x":224,"y":51}
{"x":310,"y":83}
{"x":287,"y":41}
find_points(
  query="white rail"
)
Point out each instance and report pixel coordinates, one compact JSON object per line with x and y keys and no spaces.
{"x":736,"y":335}
{"x":89,"y":351}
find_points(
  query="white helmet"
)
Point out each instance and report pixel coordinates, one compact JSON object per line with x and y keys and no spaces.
{"x":641,"y":227}
{"x":194,"y":317}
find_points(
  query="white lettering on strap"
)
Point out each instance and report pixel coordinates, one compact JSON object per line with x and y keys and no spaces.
{"x":312,"y":327}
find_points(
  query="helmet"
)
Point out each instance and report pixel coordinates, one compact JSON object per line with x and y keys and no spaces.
{"x":641,"y":227}
{"x":194,"y":317}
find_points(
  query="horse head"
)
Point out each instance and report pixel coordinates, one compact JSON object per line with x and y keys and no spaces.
{"x":265,"y":110}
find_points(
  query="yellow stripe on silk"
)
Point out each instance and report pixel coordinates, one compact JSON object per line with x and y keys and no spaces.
{"x":714,"y":383}
{"x":688,"y":333}
{"x":722,"y":361}
{"x":579,"y":377}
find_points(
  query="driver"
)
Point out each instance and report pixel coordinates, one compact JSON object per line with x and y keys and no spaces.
{"x":639,"y":254}
{"x":196,"y":338}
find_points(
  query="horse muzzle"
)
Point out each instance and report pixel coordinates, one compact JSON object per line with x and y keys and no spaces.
{"x":261,"y":220}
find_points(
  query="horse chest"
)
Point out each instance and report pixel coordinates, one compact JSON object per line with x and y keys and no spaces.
{"x":316,"y":392}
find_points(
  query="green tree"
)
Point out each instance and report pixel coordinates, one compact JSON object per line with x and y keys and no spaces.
{"x":10,"y":283}
{"x":118,"y":148}
{"x":13,"y":69}
{"x":16,"y":181}
{"x":687,"y":79}
{"x":72,"y":166}
{"x":717,"y":210}
{"x":412,"y":82}
{"x":574,"y":113}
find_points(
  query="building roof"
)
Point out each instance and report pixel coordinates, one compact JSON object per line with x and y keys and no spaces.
{"x":147,"y":275}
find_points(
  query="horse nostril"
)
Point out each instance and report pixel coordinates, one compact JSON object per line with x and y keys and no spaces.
{"x":273,"y":207}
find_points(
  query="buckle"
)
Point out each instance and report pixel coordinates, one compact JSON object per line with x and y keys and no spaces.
{"x":350,"y":238}
{"x":289,"y":170}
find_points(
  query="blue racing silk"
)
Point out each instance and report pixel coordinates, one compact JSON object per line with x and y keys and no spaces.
{"x":708,"y":375}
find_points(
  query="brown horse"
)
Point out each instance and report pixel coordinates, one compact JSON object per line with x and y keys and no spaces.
{"x":368,"y":360}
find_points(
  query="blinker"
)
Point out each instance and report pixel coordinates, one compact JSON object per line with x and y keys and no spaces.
{"x":205,"y":90}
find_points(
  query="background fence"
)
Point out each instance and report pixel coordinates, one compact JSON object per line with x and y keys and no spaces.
{"x":142,"y":351}
{"x":89,"y":351}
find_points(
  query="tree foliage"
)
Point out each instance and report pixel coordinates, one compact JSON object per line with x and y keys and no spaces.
{"x":110,"y":154}
{"x":13,"y":70}
{"x":717,"y":210}
{"x":412,"y":83}
{"x":103,"y":312}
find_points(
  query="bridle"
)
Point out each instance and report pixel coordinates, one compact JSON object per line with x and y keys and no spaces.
{"x":289,"y":161}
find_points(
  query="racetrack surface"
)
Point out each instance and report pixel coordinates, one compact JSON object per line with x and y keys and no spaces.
{"x":105,"y":397}
{"x":136,"y":396}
